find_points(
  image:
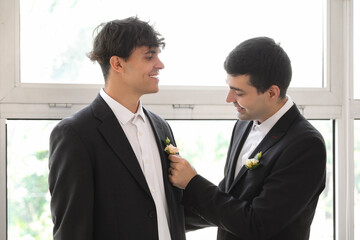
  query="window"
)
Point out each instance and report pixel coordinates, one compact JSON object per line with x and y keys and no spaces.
{"x":29,"y":200}
{"x":206,"y":151}
{"x":44,"y":84}
{"x":196,"y":44}
{"x":322,"y":227}
{"x":27,"y":182}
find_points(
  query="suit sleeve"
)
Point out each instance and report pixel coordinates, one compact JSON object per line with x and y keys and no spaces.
{"x":71,"y":185}
{"x":295,"y":182}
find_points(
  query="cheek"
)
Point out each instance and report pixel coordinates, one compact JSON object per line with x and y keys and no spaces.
{"x":243,"y":102}
{"x":147,"y":71}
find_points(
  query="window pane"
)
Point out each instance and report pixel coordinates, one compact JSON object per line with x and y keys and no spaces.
{"x":204,"y":143}
{"x":27,"y":186}
{"x":357,"y":178}
{"x":356,"y":53}
{"x":207,"y":152}
{"x":322,"y":227}
{"x":53,"y":51}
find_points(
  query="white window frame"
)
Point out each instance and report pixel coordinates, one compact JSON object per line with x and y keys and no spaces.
{"x":54,"y":101}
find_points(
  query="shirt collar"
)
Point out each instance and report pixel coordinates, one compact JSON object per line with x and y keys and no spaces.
{"x":271,"y":121}
{"x":123,"y":114}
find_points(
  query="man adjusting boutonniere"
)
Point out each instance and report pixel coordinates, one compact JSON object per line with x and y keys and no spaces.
{"x":251,"y":206}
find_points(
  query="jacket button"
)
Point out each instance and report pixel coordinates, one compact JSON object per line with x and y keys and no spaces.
{"x":152,"y":214}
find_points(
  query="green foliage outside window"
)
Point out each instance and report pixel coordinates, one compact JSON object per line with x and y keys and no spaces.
{"x":27,"y":184}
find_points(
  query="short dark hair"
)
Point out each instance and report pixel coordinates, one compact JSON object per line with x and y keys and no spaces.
{"x":120,"y":38}
{"x":264,"y":60}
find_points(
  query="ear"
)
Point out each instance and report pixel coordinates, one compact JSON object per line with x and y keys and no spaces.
{"x":116,"y":63}
{"x":273,"y":92}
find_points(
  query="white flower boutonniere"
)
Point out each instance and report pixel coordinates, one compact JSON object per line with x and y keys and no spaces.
{"x":253,"y":163}
{"x":170,"y":149}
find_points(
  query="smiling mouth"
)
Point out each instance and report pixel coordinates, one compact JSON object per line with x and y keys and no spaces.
{"x":240,"y":109}
{"x":156,"y":76}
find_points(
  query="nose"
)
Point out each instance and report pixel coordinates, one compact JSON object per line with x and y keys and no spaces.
{"x":159,"y":64}
{"x":230,"y":98}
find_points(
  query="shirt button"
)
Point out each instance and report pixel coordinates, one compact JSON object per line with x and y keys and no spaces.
{"x":152,"y":190}
{"x":140,"y":133}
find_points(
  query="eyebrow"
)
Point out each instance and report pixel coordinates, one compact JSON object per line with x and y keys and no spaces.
{"x":150,"y":52}
{"x":153,"y":51}
{"x":236,"y":89}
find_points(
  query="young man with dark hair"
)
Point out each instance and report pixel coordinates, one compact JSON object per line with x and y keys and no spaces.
{"x":108,"y":170}
{"x":275,"y":167}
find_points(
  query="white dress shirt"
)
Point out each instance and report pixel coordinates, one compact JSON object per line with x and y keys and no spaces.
{"x":257,"y":134}
{"x":138,"y":131}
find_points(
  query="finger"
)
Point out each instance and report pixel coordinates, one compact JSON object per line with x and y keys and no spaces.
{"x":172,"y":165}
{"x":175,"y":158}
{"x":171,"y":178}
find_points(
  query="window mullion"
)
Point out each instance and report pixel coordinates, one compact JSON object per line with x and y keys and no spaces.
{"x":3,"y":194}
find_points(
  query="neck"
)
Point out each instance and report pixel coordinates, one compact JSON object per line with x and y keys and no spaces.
{"x":277,"y":106}
{"x":280,"y":103}
{"x":125,"y":98}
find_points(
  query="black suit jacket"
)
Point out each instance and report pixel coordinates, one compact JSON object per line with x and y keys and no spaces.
{"x":97,"y":186}
{"x":275,"y":201}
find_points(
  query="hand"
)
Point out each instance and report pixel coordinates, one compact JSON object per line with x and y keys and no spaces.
{"x":180,"y":171}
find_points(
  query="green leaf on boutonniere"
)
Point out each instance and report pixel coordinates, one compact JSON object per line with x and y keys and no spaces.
{"x":167,"y":141}
{"x":258,"y":155}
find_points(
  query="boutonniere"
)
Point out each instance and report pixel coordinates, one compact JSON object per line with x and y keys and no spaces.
{"x":253,"y":163}
{"x":170,"y":149}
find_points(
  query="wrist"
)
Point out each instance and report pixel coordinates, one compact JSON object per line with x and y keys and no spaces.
{"x":191,"y":180}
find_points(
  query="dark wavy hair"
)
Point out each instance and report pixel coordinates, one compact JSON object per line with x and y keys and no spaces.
{"x":264,"y":60}
{"x":120,"y":38}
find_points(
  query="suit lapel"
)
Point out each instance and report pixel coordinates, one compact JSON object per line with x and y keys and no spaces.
{"x":159,"y":134}
{"x":239,"y":140}
{"x":273,"y":136}
{"x":117,"y":140}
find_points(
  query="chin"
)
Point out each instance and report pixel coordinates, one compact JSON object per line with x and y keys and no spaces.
{"x":153,"y":90}
{"x":156,"y":89}
{"x":242,"y":116}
